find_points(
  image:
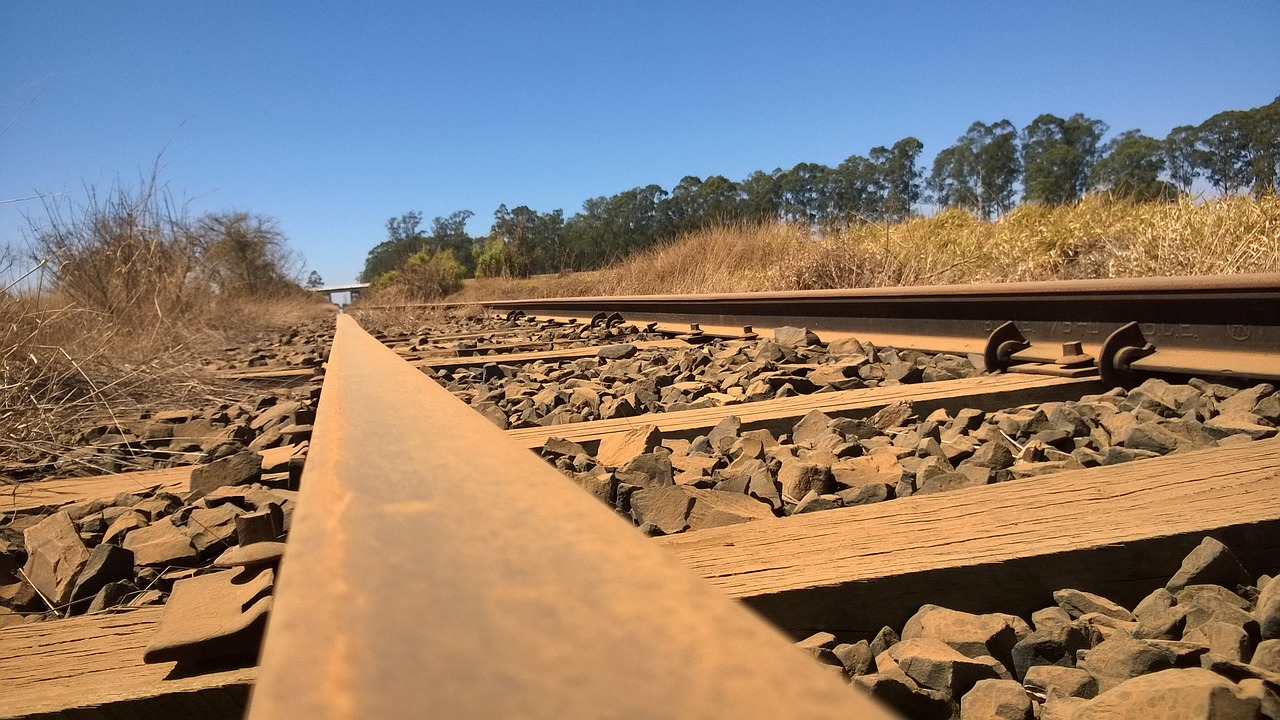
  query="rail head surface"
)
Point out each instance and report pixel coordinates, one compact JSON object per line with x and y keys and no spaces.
{"x":436,"y":568}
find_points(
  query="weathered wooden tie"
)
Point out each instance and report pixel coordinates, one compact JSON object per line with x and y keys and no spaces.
{"x":450,"y":363}
{"x":24,"y":497}
{"x":91,"y":667}
{"x":988,"y":392}
{"x":1120,"y":531}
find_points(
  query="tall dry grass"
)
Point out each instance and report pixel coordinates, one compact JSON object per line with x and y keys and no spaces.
{"x":110,"y":313}
{"x":1098,"y":238}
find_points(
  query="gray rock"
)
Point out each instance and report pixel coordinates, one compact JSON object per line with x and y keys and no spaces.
{"x":947,"y":482}
{"x":885,"y":639}
{"x":559,"y":447}
{"x":1203,"y":607}
{"x":1201,"y":594}
{"x":650,"y":470}
{"x":664,"y":508}
{"x":678,"y":508}
{"x":1166,"y":624}
{"x":1244,"y":401}
{"x":1050,"y":617}
{"x":1055,"y":681}
{"x":1152,"y":437}
{"x":260,"y":526}
{"x":891,"y":416}
{"x":1156,"y":601}
{"x":971,"y":635}
{"x":1225,"y":639}
{"x":1210,"y":562}
{"x":1267,"y":612}
{"x":603,"y":486}
{"x":55,"y":557}
{"x":1119,"y":658}
{"x":903,"y":695}
{"x":211,"y":529}
{"x":712,"y":508}
{"x":1061,"y":708}
{"x":109,"y":596}
{"x":855,"y":657}
{"x":1239,"y":424}
{"x":160,"y":543}
{"x":795,"y":337}
{"x":814,"y":424}
{"x":493,"y":414}
{"x":617,"y":352}
{"x":844,"y":347}
{"x":617,"y":449}
{"x":1079,"y":602}
{"x":866,"y":494}
{"x":994,"y":455}
{"x":1267,"y":655}
{"x":1265,"y":693}
{"x":1186,"y":694}
{"x":259,"y":554}
{"x":996,"y":700}
{"x":1269,"y":409}
{"x":800,"y":478}
{"x":750,"y":477}
{"x":818,"y":640}
{"x":1053,"y":645}
{"x":1234,"y":670}
{"x":241,"y":468}
{"x":106,"y":564}
{"x":935,"y":665}
{"x":724,"y":434}
{"x":813,"y":502}
{"x":1156,"y":396}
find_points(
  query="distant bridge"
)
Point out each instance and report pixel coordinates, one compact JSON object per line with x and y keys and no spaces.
{"x":331,"y":290}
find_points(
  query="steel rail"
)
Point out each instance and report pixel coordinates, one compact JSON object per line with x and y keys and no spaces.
{"x":436,"y":568}
{"x":1129,"y":328}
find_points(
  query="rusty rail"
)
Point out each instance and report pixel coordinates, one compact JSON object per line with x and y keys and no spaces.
{"x":1128,"y":329}
{"x":437,"y":568}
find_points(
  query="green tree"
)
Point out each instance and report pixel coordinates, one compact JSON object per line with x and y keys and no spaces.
{"x":1180,"y":156}
{"x":804,"y":192}
{"x":531,"y":240}
{"x":855,"y":193}
{"x":1131,"y":167}
{"x":1264,"y":135}
{"x":900,"y":175}
{"x":428,"y":275}
{"x":404,"y":238}
{"x":681,"y":209}
{"x":719,"y":200}
{"x":1057,"y":157}
{"x":1234,"y":150}
{"x":450,"y":233}
{"x":314,"y":280}
{"x":954,"y":180}
{"x":1222,"y":151}
{"x":609,"y":228}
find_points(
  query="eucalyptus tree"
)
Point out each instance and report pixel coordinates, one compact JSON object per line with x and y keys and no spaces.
{"x":1131,"y":167}
{"x":1057,"y":156}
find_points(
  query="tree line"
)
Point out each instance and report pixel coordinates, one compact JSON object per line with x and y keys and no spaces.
{"x":988,"y":171}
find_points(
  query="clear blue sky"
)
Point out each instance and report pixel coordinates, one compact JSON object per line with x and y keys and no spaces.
{"x":333,"y":117}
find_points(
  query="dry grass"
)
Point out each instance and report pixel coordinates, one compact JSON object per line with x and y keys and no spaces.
{"x":125,"y":295}
{"x":64,"y":367}
{"x":1095,"y":239}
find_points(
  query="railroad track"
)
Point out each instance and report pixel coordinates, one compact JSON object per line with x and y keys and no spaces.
{"x":436,"y":566}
